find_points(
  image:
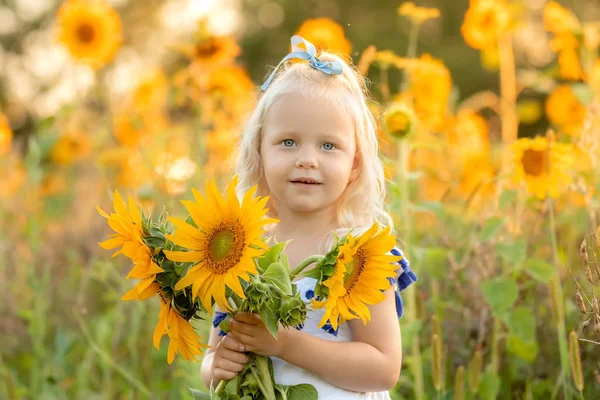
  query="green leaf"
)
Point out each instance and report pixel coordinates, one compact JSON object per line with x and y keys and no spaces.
{"x":500,"y":294}
{"x":269,"y":317}
{"x":278,"y":275}
{"x":506,"y":198}
{"x":198,"y":395}
{"x":491,"y":228}
{"x":539,"y":269}
{"x":303,"y":391}
{"x":513,"y":252}
{"x":521,"y":322}
{"x":489,"y":387}
{"x":526,"y":350}
{"x":272,"y":255}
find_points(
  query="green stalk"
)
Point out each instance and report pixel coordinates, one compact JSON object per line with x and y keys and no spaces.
{"x":411,"y":298}
{"x":264,"y":377}
{"x":404,"y":149}
{"x":305,"y":263}
{"x":495,"y":339}
{"x":560,"y":314}
{"x":221,"y":387}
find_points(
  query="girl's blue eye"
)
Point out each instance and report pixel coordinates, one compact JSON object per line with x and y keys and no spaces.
{"x":288,"y":142}
{"x":329,"y":144}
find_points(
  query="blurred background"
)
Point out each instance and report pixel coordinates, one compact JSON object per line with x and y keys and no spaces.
{"x":490,"y":133}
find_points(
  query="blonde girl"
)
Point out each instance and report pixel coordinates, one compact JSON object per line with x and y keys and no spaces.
{"x":311,"y":146}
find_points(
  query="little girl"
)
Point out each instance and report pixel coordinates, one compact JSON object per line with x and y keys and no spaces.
{"x":311,"y":145}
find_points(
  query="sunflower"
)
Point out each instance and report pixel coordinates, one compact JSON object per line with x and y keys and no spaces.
{"x":558,"y":19}
{"x":145,"y":269}
{"x":182,"y":337}
{"x":399,"y":121}
{"x":361,"y":273}
{"x":418,"y":14}
{"x":224,"y":245}
{"x":564,"y":110}
{"x":127,"y":223}
{"x":72,"y":146}
{"x":326,"y":35}
{"x":469,"y":133}
{"x":91,"y":30}
{"x":542,"y":165}
{"x":151,"y":92}
{"x":431,"y":84}
{"x":5,"y":135}
{"x":484,"y":22}
{"x":212,"y":51}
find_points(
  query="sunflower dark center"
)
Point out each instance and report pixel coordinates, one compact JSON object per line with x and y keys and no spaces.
{"x":535,"y":162}
{"x":353,"y":270}
{"x":86,"y":33}
{"x":207,"y":48}
{"x":225,"y":247}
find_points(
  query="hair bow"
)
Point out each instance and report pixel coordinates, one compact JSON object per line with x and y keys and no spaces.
{"x":310,"y":54}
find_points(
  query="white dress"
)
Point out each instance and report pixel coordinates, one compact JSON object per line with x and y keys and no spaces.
{"x":288,"y":374}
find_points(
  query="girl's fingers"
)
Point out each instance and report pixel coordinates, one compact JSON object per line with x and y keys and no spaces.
{"x":221,"y":374}
{"x":242,"y":338}
{"x":232,"y":344}
{"x":235,"y":356}
{"x":248,"y":318}
{"x":229,"y":366}
{"x":241,"y":327}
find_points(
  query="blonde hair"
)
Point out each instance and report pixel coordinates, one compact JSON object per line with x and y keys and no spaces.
{"x":362,"y":202}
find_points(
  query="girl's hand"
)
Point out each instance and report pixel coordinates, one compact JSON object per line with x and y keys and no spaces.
{"x":249,"y":330}
{"x":229,"y":359}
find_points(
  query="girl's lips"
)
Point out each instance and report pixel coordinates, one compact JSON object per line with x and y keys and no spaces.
{"x":302,"y":184}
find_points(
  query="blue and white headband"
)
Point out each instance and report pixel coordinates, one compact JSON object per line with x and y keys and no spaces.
{"x":310,"y":54}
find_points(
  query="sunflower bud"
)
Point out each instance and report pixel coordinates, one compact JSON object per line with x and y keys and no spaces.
{"x":257,"y":295}
{"x":400,"y":121}
{"x":292,"y":311}
{"x":580,"y":302}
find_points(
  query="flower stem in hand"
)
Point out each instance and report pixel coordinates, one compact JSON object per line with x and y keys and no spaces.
{"x":305,"y":263}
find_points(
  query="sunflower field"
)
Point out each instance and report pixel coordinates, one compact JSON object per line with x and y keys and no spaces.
{"x":489,"y":127}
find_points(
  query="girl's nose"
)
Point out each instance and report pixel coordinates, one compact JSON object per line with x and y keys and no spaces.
{"x":306,"y":159}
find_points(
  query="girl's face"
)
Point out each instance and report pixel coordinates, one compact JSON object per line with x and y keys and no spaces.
{"x":307,"y":139}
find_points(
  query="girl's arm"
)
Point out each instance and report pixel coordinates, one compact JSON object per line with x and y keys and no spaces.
{"x":371,"y":362}
{"x":206,"y":368}
{"x":223,"y":360}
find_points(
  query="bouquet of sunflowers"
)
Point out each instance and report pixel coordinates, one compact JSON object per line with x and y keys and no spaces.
{"x":217,"y":256}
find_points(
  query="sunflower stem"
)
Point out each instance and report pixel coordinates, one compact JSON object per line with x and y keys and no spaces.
{"x":560,"y":314}
{"x":221,"y":387}
{"x":264,"y":378}
{"x":305,"y":263}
